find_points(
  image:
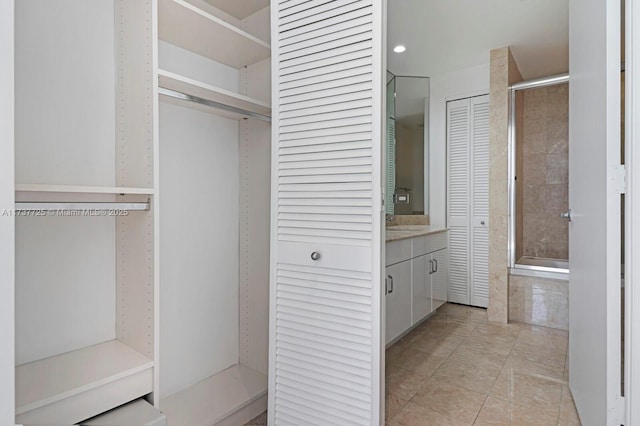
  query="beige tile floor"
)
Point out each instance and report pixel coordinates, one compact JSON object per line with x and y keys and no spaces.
{"x":458,"y":369}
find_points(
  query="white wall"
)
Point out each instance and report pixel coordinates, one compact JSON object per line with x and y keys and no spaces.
{"x":447,"y":87}
{"x":66,"y":81}
{"x":181,"y":61}
{"x":199,"y":168}
{"x":7,"y":363}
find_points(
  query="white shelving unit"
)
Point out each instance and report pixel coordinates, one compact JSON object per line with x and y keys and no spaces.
{"x":235,"y":103}
{"x":215,"y":349}
{"x":86,"y":375}
{"x":90,"y":319}
{"x":209,"y":35}
{"x":79,"y":189}
{"x":86,"y":285}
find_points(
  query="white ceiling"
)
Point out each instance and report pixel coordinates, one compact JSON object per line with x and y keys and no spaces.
{"x":448,"y":35}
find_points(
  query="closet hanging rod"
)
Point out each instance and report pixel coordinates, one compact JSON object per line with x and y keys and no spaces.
{"x":213,"y":104}
{"x":80,"y":207}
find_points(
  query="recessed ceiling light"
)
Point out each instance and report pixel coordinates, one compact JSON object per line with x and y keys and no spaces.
{"x":399,"y":48}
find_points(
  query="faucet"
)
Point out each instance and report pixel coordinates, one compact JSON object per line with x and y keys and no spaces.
{"x":389,"y":218}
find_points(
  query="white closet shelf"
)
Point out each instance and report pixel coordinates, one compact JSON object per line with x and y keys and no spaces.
{"x":28,"y":187}
{"x":77,"y":384}
{"x":187,"y":86}
{"x":215,"y":398}
{"x":186,"y":26}
{"x":239,"y":9}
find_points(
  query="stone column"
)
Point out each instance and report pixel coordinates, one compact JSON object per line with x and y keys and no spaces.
{"x":504,"y":72}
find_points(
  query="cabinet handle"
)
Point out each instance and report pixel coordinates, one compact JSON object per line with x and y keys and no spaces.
{"x":390,"y":284}
{"x":315,"y":255}
{"x":431,"y":266}
{"x":435,"y":262}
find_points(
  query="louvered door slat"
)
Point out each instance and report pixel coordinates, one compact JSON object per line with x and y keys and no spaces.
{"x":332,"y":114}
{"x":306,"y":375}
{"x":304,"y":137}
{"x":333,"y":108}
{"x":345,"y":20}
{"x":327,"y":58}
{"x":313,"y":370}
{"x":325,"y":330}
{"x":360,"y":37}
{"x":319,"y":39}
{"x":323,"y":365}
{"x":334,"y":143}
{"x":328,"y":97}
{"x":314,"y":12}
{"x":360,"y":116}
{"x":361,"y":160}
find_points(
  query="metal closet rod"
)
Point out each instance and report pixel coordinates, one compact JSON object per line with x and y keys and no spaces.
{"x":30,"y":206}
{"x":213,"y":104}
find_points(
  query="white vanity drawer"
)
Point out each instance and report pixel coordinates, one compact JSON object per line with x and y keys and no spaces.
{"x":428,"y":243}
{"x":398,"y":251}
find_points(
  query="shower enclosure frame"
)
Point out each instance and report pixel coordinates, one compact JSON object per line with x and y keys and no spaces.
{"x":514,"y":267}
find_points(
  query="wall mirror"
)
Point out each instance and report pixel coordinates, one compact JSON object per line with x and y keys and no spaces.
{"x":407,"y":145}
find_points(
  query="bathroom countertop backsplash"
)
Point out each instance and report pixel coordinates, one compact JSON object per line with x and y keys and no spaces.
{"x":409,"y":220}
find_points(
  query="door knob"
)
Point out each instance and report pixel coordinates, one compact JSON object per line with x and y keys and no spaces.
{"x":315,"y":255}
{"x":566,"y":215}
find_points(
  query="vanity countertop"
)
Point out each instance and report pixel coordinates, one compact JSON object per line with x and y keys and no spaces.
{"x":400,"y":232}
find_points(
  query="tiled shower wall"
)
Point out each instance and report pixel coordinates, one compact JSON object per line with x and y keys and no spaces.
{"x":542,"y":147}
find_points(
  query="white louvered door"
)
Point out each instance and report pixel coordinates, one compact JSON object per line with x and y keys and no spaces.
{"x":458,"y":130}
{"x":479,"y":292}
{"x":468,"y":200}
{"x":326,"y":335}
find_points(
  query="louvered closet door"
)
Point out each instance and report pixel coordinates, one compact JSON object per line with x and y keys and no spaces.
{"x":468,"y":200}
{"x":326,"y":266}
{"x":458,"y":179}
{"x":480,"y":201}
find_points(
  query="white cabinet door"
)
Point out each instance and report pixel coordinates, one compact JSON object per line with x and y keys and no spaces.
{"x":421,"y":287}
{"x":439,"y":278}
{"x":398,"y":299}
{"x":326,"y":335}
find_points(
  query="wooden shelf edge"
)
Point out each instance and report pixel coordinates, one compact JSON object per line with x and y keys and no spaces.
{"x":28,"y":187}
{"x":188,"y":86}
{"x":127,"y":362}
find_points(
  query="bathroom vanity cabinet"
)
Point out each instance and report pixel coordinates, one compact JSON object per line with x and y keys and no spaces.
{"x":416,"y":277}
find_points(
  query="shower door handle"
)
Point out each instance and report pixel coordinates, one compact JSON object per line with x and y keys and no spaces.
{"x":566,"y":215}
